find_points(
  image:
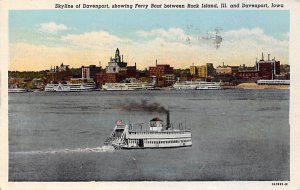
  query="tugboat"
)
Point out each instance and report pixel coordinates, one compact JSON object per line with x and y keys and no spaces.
{"x":152,"y":134}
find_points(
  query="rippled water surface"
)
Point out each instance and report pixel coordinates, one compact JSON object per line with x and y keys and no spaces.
{"x":237,"y":135}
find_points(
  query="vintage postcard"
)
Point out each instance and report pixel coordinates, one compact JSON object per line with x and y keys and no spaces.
{"x":149,"y":94}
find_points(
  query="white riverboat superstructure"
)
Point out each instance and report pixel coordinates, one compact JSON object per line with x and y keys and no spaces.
{"x":17,"y":90}
{"x":127,"y":86}
{"x":203,"y":85}
{"x":148,"y":135}
{"x":74,"y":85}
{"x":185,"y":85}
{"x":122,"y":86}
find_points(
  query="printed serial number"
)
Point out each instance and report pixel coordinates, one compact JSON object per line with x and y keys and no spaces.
{"x":279,"y":184}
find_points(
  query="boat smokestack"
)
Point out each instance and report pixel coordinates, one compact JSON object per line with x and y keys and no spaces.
{"x":168,"y":120}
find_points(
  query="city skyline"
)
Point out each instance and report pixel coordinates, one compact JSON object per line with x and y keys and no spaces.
{"x":41,"y":39}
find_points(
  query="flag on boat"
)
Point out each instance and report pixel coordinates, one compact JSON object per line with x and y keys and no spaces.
{"x":119,"y":122}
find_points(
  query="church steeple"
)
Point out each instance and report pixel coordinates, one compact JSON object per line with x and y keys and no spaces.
{"x":117,"y":55}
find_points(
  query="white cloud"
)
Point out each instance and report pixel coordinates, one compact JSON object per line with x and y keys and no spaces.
{"x":238,"y":47}
{"x":52,"y":27}
{"x":94,"y":39}
{"x":256,"y":35}
{"x":171,"y":34}
{"x":169,"y":46}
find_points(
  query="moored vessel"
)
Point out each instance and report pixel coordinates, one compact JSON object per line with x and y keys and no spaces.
{"x":185,"y":85}
{"x":122,"y":86}
{"x":17,"y":90}
{"x":74,"y":85}
{"x":203,"y":85}
{"x":128,"y":86}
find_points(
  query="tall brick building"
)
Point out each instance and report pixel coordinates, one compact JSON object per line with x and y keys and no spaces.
{"x":160,"y":70}
{"x":163,"y":74}
{"x":268,"y":69}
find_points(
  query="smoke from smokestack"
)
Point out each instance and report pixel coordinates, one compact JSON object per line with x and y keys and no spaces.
{"x":147,"y":107}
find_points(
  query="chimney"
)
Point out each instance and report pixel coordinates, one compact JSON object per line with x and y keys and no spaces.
{"x":168,"y":120}
{"x":262,"y":56}
{"x":122,"y":57}
{"x":156,"y":62}
{"x":268,"y":57}
{"x":135,"y":64}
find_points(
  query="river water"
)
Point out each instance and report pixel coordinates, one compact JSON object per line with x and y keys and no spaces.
{"x":237,"y":135}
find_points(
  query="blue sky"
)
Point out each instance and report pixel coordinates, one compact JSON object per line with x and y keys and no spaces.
{"x":126,"y":22}
{"x":25,"y":27}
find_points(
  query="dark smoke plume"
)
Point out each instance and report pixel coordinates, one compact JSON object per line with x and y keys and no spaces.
{"x":145,"y":106}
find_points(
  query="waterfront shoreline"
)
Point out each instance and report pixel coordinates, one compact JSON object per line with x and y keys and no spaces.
{"x":258,"y":87}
